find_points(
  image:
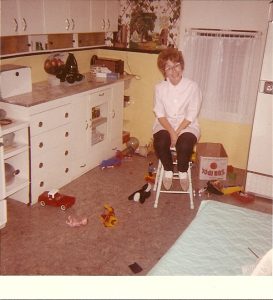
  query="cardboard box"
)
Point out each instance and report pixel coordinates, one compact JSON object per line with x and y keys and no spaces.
{"x":212,"y":161}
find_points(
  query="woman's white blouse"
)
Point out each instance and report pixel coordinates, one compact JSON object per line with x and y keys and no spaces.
{"x":176,"y":103}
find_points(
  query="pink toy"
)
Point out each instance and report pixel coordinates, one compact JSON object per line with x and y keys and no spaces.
{"x":73,"y":222}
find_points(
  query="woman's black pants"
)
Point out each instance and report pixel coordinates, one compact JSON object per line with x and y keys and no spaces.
{"x":184,"y":148}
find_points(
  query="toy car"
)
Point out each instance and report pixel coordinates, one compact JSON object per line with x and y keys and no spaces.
{"x":54,"y":198}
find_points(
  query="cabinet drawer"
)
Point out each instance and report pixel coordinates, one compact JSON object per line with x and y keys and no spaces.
{"x":50,"y":119}
{"x":51,"y":180}
{"x":51,"y":161}
{"x":44,"y":142}
{"x":101,"y":96}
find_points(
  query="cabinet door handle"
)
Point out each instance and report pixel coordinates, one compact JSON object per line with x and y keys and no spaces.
{"x":66,"y":170}
{"x":66,"y":115}
{"x":108,"y":22}
{"x":40,"y":124}
{"x":41,"y":145}
{"x":16,"y":25}
{"x":113,"y":114}
{"x":66,"y":134}
{"x":41,"y":165}
{"x":101,"y":94}
{"x":41,"y":183}
{"x":24,"y":24}
{"x":68,"y":24}
{"x":66,"y":152}
{"x":73,"y":24}
{"x":103,"y":24}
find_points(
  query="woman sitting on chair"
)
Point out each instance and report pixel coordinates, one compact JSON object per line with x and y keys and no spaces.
{"x":177,"y":103}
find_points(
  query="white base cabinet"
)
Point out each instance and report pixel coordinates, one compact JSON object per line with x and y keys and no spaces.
{"x":14,"y":165}
{"x":69,"y":136}
{"x":97,"y":118}
{"x":3,"y":213}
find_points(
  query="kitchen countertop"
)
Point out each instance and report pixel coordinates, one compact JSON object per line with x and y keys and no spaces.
{"x":44,"y":91}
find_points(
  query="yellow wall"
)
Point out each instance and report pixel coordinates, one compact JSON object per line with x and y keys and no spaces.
{"x":138,"y":116}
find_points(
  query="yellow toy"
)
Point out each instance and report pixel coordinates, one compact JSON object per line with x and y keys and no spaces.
{"x":108,"y":218}
{"x":231,"y":189}
{"x":217,"y":187}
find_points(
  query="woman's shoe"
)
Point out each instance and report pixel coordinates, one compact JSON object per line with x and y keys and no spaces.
{"x":167,"y":179}
{"x":184,"y":181}
{"x":184,"y":184}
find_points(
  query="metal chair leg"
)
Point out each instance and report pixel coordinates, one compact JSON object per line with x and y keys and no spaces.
{"x":157,"y":175}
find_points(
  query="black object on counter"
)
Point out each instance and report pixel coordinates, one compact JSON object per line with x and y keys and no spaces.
{"x":70,"y":72}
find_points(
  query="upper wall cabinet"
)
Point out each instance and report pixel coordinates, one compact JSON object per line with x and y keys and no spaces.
{"x":67,"y":16}
{"x":21,"y":17}
{"x":104,"y":15}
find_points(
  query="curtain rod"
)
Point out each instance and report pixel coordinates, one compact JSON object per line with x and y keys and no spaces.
{"x":223,"y":32}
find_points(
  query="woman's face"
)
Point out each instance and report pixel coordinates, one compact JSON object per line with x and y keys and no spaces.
{"x":173,"y":71}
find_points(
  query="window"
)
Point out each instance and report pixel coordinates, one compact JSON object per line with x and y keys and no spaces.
{"x":226,"y":65}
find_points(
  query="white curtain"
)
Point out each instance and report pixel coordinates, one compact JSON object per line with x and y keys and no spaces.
{"x":227,"y":69}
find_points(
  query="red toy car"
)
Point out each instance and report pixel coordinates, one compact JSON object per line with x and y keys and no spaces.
{"x":54,"y":198}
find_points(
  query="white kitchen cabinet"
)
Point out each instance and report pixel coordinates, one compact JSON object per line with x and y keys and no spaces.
{"x":104,"y":15}
{"x":50,"y":135}
{"x":67,"y":16}
{"x":14,"y":165}
{"x":21,"y":17}
{"x":98,"y":126}
{"x":105,"y":123}
{"x":116,"y":115}
{"x":79,"y":134}
{"x":68,"y":137}
{"x":97,"y":120}
{"x":80,"y":15}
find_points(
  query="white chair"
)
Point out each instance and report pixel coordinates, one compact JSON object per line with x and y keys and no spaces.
{"x":159,"y":179}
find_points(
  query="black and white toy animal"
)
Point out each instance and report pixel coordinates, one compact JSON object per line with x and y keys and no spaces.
{"x":142,"y":194}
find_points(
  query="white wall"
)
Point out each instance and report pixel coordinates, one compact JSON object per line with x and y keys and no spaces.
{"x":224,"y":14}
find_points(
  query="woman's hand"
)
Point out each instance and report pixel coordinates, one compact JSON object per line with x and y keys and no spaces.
{"x":173,"y":134}
{"x":184,"y":124}
{"x":174,"y":137}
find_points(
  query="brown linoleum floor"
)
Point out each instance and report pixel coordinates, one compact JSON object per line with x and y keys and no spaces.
{"x":37,"y":240}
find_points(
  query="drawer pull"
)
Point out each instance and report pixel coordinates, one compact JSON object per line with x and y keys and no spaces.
{"x":67,"y":134}
{"x":101,"y":94}
{"x":40,"y":124}
{"x":66,"y":152}
{"x":41,"y":165}
{"x":41,"y":144}
{"x":66,"y":170}
{"x":41,"y":184}
{"x":66,"y":115}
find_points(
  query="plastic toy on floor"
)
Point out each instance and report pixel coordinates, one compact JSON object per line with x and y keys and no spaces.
{"x":112,"y":162}
{"x":73,"y":222}
{"x":109,"y":218}
{"x":150,"y":177}
{"x":216,"y":187}
{"x":54,"y":198}
{"x":142,"y":194}
{"x":243,"y":197}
